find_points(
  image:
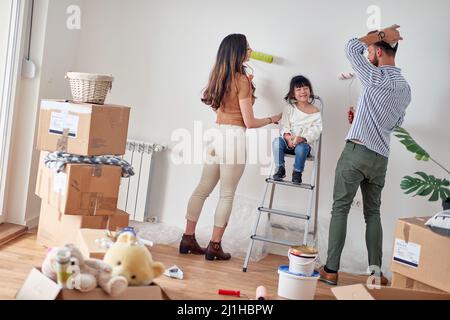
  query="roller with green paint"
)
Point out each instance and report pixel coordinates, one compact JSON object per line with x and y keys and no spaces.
{"x":261,"y":57}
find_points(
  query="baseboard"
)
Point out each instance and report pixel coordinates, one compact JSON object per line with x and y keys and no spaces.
{"x":33,"y":222}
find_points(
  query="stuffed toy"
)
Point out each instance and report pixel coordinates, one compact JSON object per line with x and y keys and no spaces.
{"x":87,"y":274}
{"x":131,"y":259}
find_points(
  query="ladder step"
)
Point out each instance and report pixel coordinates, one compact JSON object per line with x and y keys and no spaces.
{"x":290,"y":184}
{"x":280,"y":227}
{"x":310,"y":158}
{"x":284,"y":213}
{"x":286,"y":243}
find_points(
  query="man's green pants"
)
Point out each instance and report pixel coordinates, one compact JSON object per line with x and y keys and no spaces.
{"x":357,"y":167}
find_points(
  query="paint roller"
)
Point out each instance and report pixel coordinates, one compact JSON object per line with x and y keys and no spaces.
{"x":267,"y":58}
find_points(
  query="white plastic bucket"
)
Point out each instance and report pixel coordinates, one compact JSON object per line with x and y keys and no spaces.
{"x":296,"y":287}
{"x":302,"y":265}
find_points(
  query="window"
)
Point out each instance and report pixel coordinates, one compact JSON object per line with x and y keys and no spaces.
{"x":10,"y":18}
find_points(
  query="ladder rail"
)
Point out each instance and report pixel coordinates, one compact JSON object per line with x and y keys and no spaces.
{"x":255,"y":227}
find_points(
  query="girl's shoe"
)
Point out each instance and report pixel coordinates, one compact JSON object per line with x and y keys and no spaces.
{"x":296,"y":177}
{"x":280,"y":174}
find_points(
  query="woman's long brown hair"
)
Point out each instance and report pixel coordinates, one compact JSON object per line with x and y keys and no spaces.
{"x":230,"y":58}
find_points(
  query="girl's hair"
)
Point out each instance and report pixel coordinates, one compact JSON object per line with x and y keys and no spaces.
{"x":229,"y":63}
{"x":298,"y":82}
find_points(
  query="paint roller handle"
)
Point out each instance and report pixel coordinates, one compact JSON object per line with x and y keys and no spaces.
{"x":233,"y":293}
{"x":351,"y":114}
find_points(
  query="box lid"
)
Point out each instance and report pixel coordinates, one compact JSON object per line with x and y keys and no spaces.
{"x":66,"y":105}
{"x":362,"y":292}
{"x":38,"y":287}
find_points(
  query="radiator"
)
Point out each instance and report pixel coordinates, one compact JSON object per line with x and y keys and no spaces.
{"x":134,"y":192}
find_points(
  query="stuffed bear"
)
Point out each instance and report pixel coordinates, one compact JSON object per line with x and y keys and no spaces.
{"x":89,"y":274}
{"x":131,"y":258}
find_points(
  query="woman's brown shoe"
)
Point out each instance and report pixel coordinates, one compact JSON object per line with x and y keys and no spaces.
{"x":214,"y":251}
{"x":189,"y":244}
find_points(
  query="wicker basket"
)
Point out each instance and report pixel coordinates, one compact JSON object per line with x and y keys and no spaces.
{"x":88,"y":87}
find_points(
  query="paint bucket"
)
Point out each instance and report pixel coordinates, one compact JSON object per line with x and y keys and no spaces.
{"x":302,"y":260}
{"x":295,"y":286}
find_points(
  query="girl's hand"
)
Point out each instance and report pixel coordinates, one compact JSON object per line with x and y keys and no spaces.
{"x":298,"y":140}
{"x":289,"y":139}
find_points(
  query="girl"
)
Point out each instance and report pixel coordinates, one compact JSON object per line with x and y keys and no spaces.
{"x":301,"y":125}
{"x":230,"y":93}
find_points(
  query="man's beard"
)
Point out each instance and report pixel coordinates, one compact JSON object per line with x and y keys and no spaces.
{"x":375,"y":61}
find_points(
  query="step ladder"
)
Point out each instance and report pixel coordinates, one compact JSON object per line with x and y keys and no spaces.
{"x":313,"y":199}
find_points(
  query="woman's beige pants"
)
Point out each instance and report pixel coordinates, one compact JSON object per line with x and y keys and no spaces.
{"x":225,"y":163}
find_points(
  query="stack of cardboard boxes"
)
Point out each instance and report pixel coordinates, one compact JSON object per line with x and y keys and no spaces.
{"x":421,"y":258}
{"x":83,"y":196}
{"x":420,"y":267}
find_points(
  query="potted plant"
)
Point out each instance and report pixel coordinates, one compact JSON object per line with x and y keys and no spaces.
{"x":423,"y":184}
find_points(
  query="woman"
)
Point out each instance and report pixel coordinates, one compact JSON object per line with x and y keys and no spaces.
{"x":230,"y":93}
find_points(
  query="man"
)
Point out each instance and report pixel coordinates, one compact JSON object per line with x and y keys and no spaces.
{"x":384,"y":98}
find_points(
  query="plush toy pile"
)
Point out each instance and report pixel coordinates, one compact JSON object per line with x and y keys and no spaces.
{"x":127,"y":262}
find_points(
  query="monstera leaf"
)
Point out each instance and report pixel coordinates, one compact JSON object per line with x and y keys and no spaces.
{"x":410,"y":144}
{"x":426,"y":185}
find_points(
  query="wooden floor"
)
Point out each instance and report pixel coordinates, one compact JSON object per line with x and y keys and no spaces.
{"x":9,"y":232}
{"x":202,"y":279}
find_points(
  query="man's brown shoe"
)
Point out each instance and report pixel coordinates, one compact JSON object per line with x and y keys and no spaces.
{"x":383,"y":281}
{"x":328,"y":278}
{"x":214,"y":251}
{"x":189,"y":244}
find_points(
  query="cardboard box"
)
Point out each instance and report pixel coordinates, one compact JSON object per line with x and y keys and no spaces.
{"x":88,"y":245}
{"x":362,"y":292}
{"x":402,"y":282}
{"x":38,"y":287}
{"x":82,"y":128}
{"x":421,"y":254}
{"x":86,"y":240}
{"x":81,"y":189}
{"x":119,"y":220}
{"x":56,"y":229}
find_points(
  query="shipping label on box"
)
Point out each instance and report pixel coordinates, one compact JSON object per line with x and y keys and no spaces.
{"x":60,"y":183}
{"x":60,"y":122}
{"x":407,"y":253}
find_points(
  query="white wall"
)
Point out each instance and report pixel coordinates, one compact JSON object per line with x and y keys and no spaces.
{"x":161,"y":53}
